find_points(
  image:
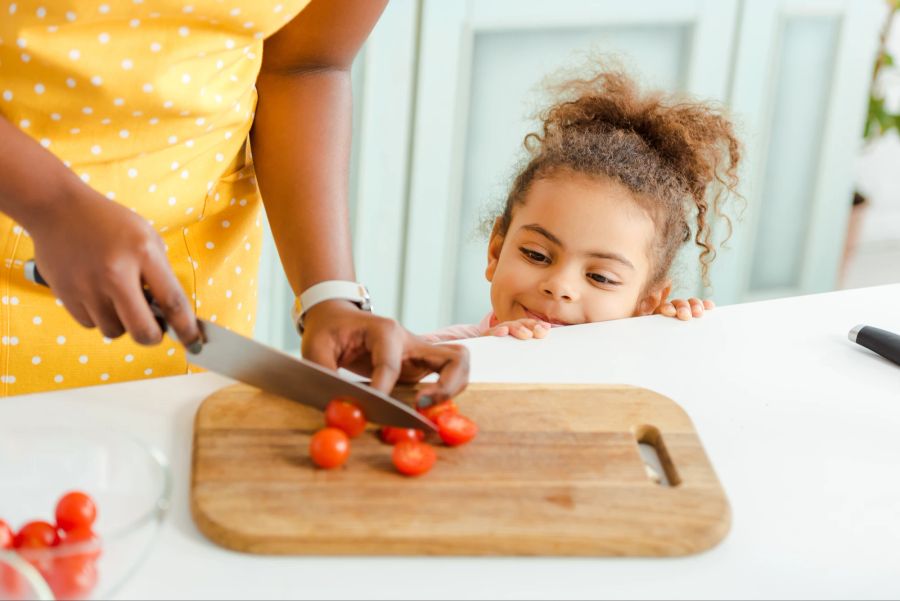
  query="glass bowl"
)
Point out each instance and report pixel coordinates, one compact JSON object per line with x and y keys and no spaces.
{"x":130,"y":483}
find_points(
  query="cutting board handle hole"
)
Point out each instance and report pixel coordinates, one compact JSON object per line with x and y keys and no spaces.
{"x":657,"y":461}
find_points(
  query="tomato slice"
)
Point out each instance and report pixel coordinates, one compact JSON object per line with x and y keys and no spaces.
{"x":432,"y":411}
{"x":413,"y":457}
{"x":392,"y":435}
{"x":36,"y":535}
{"x":329,"y":448}
{"x":75,"y":510}
{"x":455,"y":428}
{"x":6,"y":536}
{"x":345,"y":415}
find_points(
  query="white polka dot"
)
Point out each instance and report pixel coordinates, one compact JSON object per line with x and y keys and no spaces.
{"x":243,"y":202}
{"x":148,"y":371}
{"x":103,"y":8}
{"x":70,"y":82}
{"x":57,"y":378}
{"x":111,"y":195}
{"x":59,"y":303}
{"x":25,"y":123}
{"x":45,"y":142}
{"x":175,"y":165}
{"x":60,"y":340}
{"x":277,"y":8}
{"x":247,"y":246}
{"x":21,"y":43}
{"x":172,"y":201}
{"x":189,"y":210}
{"x":189,"y":143}
{"x":97,"y":80}
{"x":103,"y":38}
{"x":186,"y":78}
{"x":220,"y":157}
{"x":200,"y":121}
{"x":74,"y":54}
{"x":240,"y":306}
{"x":36,"y":360}
{"x":248,"y":25}
{"x":127,"y":64}
{"x":104,"y":377}
{"x":153,"y":120}
{"x":151,"y":188}
{"x":132,"y":173}
{"x":229,"y":43}
{"x":25,"y":57}
{"x":55,"y":116}
{"x":135,"y":22}
{"x":37,"y":320}
{"x":210,"y":245}
{"x":12,"y":8}
{"x":137,"y":114}
{"x":184,"y":31}
{"x":70,"y":16}
{"x":123,"y":133}
{"x":85,"y":177}
{"x":95,"y":149}
{"x":83,"y":359}
{"x":228,"y":294}
{"x":212,"y":318}
{"x":168,"y":104}
{"x":87,"y":110}
{"x":7,"y":95}
{"x":227,"y":135}
{"x":185,"y":174}
{"x":41,"y":12}
{"x":107,"y":340}
{"x":147,"y":87}
{"x":129,"y":358}
{"x":39,"y":88}
{"x":119,"y":101}
{"x":75,"y":131}
{"x":237,"y":270}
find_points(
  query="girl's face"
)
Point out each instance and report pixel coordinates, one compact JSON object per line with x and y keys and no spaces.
{"x":577,"y":251}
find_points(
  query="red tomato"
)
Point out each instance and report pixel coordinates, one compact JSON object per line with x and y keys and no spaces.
{"x":75,"y":510}
{"x":6,"y":536}
{"x":343,"y":414}
{"x":12,"y":583}
{"x":36,"y":535}
{"x":432,"y":411}
{"x":88,"y":544}
{"x":455,"y":428}
{"x":413,"y":458}
{"x":329,"y":448}
{"x":392,"y":435}
{"x":72,"y":579}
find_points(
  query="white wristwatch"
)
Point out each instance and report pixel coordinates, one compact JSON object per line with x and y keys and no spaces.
{"x":329,"y":290}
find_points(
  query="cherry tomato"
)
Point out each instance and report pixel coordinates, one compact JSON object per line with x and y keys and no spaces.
{"x":392,"y":435}
{"x":329,"y":448}
{"x":343,"y":414}
{"x":455,"y":429}
{"x":6,"y":536}
{"x":72,"y":579}
{"x":412,"y":457}
{"x":36,"y":535}
{"x":85,"y":541}
{"x":432,"y":411}
{"x":75,"y":510}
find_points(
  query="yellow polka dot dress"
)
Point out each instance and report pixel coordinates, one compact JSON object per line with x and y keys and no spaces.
{"x":150,"y":102}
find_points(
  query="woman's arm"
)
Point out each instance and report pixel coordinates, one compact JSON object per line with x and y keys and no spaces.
{"x":95,"y":254}
{"x":301,"y":149}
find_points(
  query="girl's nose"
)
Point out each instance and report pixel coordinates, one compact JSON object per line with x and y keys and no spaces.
{"x":558,"y":288}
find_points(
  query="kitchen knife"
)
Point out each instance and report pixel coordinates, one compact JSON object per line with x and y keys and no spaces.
{"x":269,"y":369}
{"x":886,"y":344}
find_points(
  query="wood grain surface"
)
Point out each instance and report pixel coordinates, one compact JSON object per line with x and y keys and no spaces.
{"x":555,"y":470}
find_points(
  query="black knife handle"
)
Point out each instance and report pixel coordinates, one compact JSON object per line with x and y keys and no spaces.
{"x":886,"y":344}
{"x":33,"y":275}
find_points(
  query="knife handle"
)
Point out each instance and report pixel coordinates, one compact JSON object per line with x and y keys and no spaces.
{"x":886,"y":344}
{"x":33,"y":275}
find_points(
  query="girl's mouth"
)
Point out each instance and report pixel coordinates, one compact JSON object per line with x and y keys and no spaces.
{"x":556,"y":323}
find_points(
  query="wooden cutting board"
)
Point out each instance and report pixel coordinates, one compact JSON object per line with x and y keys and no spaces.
{"x":554,"y":470}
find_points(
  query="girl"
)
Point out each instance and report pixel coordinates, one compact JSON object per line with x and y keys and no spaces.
{"x":595,"y":218}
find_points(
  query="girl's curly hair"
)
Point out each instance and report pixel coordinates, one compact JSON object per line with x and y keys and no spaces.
{"x":677,"y":157}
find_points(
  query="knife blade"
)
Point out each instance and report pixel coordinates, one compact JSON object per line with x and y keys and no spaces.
{"x":294,"y":378}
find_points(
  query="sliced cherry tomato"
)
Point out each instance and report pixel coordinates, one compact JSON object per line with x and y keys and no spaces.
{"x":392,"y":435}
{"x":36,"y":535}
{"x":72,"y":579}
{"x":329,"y":448}
{"x":75,"y":510}
{"x":455,"y":428}
{"x":413,"y":458}
{"x":6,"y":536}
{"x":432,"y":411}
{"x":343,"y":414}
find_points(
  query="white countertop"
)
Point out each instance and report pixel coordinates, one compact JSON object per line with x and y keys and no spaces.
{"x":802,"y":427}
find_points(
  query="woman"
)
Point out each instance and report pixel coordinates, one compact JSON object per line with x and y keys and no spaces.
{"x":158,"y":107}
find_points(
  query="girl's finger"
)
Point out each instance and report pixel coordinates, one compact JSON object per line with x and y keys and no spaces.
{"x":522,"y":332}
{"x":708,"y":304}
{"x":540,"y":331}
{"x":696,"y":307}
{"x":668,"y":309}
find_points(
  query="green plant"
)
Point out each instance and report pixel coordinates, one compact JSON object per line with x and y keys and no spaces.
{"x":880,"y":120}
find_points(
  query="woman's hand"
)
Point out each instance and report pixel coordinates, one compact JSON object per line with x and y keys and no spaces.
{"x":685,"y":309}
{"x":523,"y":329}
{"x":97,"y":255}
{"x":337,"y":334}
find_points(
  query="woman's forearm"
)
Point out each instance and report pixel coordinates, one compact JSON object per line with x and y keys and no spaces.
{"x":32,"y":180}
{"x":301,"y":150}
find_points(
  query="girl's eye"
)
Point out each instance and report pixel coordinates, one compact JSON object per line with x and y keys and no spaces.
{"x":534,"y":255}
{"x":601,"y":279}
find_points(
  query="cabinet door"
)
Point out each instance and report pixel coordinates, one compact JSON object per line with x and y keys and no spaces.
{"x":481,"y":63}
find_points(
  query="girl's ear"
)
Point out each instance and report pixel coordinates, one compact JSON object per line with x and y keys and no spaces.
{"x":655,"y":297}
{"x":494,"y":246}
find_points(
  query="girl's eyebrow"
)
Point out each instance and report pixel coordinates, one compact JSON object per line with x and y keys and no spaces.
{"x":533,"y":227}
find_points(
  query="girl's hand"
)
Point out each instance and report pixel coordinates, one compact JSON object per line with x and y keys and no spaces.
{"x":97,"y":255}
{"x":337,"y":334}
{"x":522,"y":329}
{"x":685,"y":309}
